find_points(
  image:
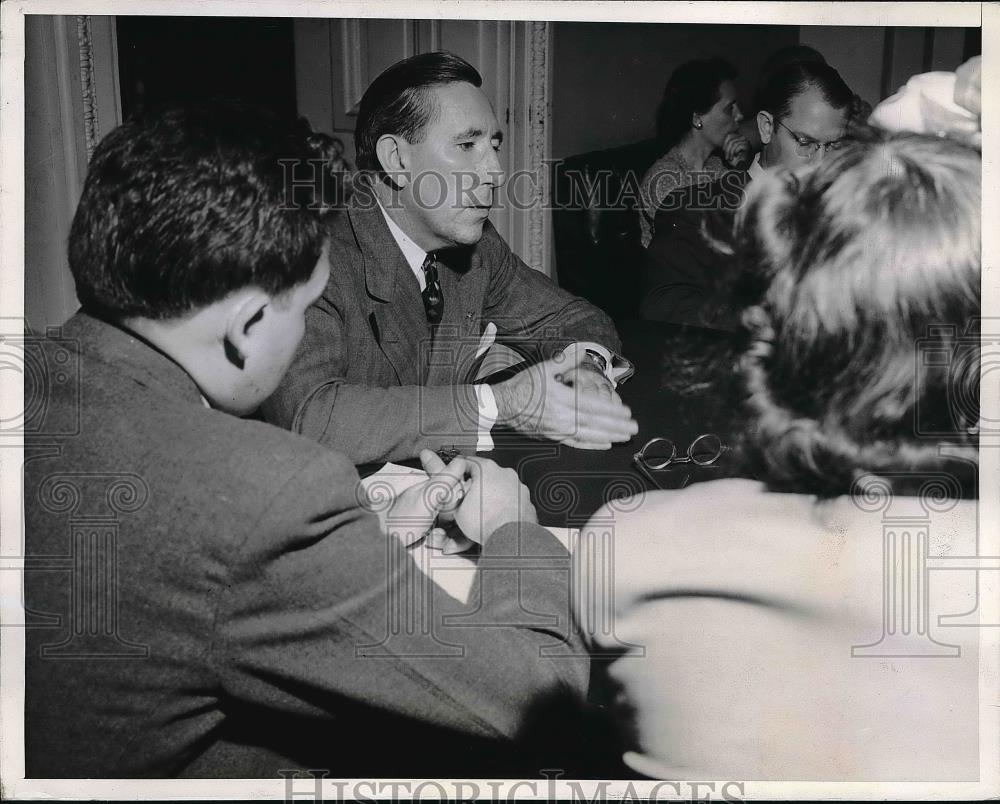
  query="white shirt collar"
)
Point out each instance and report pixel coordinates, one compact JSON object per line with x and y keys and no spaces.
{"x":414,"y":255}
{"x":756,"y":169}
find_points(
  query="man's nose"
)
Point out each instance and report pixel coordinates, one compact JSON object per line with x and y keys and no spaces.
{"x":737,"y":113}
{"x":491,"y":171}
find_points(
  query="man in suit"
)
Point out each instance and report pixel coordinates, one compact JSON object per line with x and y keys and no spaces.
{"x":212,"y":596}
{"x":422,"y":285}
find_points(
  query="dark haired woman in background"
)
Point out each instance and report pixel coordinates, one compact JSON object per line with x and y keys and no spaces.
{"x":788,"y":628}
{"x":696,"y":122}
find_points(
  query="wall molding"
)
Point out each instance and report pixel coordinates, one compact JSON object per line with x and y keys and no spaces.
{"x":538,"y":143}
{"x":91,"y":118}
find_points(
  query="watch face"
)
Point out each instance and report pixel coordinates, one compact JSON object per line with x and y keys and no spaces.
{"x":597,"y":358}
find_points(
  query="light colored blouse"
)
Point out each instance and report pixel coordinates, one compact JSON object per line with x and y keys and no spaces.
{"x":665,"y":175}
{"x":773,"y":637}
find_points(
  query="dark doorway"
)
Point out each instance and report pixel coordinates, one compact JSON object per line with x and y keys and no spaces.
{"x":187,"y":59}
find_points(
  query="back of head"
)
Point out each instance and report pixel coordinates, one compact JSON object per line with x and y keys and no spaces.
{"x":397,"y":102}
{"x":793,"y":78}
{"x":789,"y":54}
{"x":183,"y":206}
{"x":861,"y":265}
{"x":693,"y":88}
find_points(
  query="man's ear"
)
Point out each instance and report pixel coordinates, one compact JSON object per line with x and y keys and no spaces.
{"x":765,"y":125}
{"x":243,"y":331}
{"x":393,"y":155}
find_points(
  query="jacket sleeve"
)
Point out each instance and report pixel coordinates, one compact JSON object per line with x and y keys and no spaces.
{"x":532,"y":313}
{"x":365,"y":422}
{"x":322,"y":611}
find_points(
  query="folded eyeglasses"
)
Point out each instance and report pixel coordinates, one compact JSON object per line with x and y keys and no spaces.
{"x":659,"y":453}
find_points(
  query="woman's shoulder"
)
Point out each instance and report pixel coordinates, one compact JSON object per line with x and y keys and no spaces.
{"x":667,"y":169}
{"x":710,"y":503}
{"x":736,"y":536}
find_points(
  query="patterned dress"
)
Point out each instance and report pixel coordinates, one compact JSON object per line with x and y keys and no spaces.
{"x":665,"y":175}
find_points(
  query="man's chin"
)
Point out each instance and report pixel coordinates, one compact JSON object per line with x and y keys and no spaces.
{"x":470,"y":234}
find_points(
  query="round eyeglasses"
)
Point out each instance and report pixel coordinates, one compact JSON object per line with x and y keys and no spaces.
{"x":804,"y":146}
{"x":661,"y":453}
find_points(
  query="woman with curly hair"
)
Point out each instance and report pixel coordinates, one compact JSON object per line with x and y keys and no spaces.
{"x":789,"y":628}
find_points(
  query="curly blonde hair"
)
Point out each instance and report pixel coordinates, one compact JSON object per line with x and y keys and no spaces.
{"x":859,"y":269}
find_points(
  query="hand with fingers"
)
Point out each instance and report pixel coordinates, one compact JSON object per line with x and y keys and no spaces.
{"x":539,"y":402}
{"x":589,"y":379}
{"x":416,"y":511}
{"x":494,"y":496}
{"x":737,"y":151}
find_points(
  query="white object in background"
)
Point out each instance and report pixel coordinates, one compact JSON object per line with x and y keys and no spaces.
{"x":926,"y":105}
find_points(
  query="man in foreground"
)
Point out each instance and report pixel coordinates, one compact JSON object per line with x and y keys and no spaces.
{"x":219,"y":602}
{"x":423,"y":284}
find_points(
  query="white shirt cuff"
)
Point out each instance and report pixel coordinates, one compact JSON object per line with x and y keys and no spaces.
{"x":618,"y":368}
{"x":487,"y":416}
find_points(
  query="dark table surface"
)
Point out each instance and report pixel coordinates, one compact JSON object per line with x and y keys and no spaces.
{"x":568,"y":485}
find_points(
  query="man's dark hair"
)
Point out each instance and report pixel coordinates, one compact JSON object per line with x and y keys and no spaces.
{"x":183,"y":206}
{"x":693,"y":88}
{"x":397,"y":102}
{"x":776,"y":93}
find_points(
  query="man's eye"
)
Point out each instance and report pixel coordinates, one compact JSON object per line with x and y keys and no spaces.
{"x":467,"y":146}
{"x":496,"y":146}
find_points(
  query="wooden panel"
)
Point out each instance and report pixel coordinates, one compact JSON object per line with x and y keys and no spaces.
{"x":383,"y":43}
{"x":314,"y":79}
{"x":949,"y":44}
{"x":855,"y":52}
{"x":908,"y":45}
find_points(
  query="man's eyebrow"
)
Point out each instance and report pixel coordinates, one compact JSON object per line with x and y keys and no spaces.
{"x":473,"y":133}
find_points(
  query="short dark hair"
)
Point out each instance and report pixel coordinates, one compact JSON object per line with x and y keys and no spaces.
{"x":693,"y":88}
{"x":397,"y":102}
{"x":792,"y":79}
{"x":182,"y":206}
{"x":861,"y":261}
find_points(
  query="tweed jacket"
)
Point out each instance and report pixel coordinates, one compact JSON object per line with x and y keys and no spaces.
{"x":371,"y":382}
{"x":207,"y":597}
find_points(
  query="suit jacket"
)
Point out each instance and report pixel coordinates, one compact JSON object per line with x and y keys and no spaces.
{"x":369,"y":381}
{"x":686,"y":279}
{"x":207,"y":597}
{"x":791,"y":639}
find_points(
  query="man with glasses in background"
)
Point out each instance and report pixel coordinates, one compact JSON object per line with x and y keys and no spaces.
{"x":803,"y":114}
{"x":804,"y":110}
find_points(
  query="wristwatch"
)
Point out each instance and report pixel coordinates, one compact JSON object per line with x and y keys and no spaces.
{"x":597,"y":359}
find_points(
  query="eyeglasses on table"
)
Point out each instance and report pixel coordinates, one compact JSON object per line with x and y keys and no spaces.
{"x":659,"y":454}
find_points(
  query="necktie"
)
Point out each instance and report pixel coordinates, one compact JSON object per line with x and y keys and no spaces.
{"x":433,"y":300}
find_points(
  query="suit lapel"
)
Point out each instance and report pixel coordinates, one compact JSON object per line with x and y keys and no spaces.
{"x":393,"y":293}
